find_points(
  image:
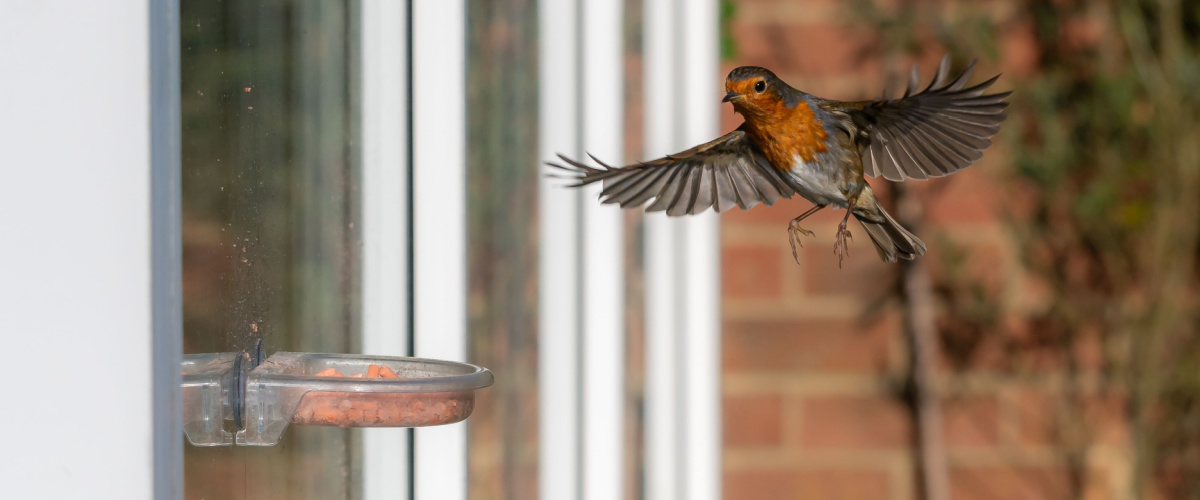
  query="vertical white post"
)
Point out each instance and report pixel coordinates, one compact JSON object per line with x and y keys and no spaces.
{"x":662,"y":264}
{"x":682,"y":261}
{"x":559,"y":426}
{"x":76,"y":287}
{"x":603,"y":269}
{"x":581,"y":275}
{"x":439,"y":219}
{"x":701,"y":89}
{"x":385,"y":223}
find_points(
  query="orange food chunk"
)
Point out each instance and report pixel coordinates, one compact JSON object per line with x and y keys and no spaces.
{"x":329,"y":372}
{"x":357,"y":375}
{"x":386,"y":372}
{"x":373,"y":371}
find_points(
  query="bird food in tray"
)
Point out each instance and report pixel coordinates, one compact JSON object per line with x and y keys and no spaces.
{"x":356,"y":391}
{"x":356,"y":409}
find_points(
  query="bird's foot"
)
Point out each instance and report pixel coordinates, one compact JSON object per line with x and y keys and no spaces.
{"x":794,"y":234}
{"x":841,"y":242}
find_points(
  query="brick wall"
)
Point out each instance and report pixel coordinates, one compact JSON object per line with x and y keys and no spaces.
{"x":811,"y":357}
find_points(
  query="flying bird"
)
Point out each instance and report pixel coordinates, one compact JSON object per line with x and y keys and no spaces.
{"x":792,"y":142}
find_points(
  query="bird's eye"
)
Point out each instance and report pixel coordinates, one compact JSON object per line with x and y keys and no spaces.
{"x":760,"y":86}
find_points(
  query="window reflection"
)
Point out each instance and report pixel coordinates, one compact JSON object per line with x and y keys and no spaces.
{"x":270,"y":197}
{"x":502,"y":107}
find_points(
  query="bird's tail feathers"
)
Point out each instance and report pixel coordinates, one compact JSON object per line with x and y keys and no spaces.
{"x":891,"y":240}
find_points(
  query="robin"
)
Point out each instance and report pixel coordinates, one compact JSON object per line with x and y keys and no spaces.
{"x":792,"y":142}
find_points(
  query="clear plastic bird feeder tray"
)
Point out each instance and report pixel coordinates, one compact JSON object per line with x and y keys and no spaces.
{"x":286,"y":389}
{"x":208,"y":393}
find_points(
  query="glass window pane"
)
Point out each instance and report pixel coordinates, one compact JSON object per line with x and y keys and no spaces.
{"x":502,"y":107}
{"x":502,"y":183}
{"x":270,"y":202}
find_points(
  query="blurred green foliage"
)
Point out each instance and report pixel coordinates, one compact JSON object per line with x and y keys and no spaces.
{"x":1105,"y":182}
{"x":728,"y":43}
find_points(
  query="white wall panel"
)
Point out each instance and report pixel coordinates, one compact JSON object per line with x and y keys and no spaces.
{"x":75,"y":269}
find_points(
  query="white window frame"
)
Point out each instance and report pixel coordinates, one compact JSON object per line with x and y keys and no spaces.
{"x":423,"y":264}
{"x":683,"y":321}
{"x":439,"y":227}
{"x":90,"y":285}
{"x":386,"y":467}
{"x":118,"y":263}
{"x":581,"y":275}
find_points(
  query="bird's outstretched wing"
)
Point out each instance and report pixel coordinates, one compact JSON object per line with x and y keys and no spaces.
{"x":936,"y":132}
{"x":726,"y":172}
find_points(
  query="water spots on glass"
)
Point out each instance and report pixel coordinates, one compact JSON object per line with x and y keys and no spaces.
{"x":280,"y":156}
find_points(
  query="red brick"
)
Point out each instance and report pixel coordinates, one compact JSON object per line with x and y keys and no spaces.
{"x":752,"y":421}
{"x":826,"y":346}
{"x":807,"y":484}
{"x":201,"y":283}
{"x":970,"y":196}
{"x":1089,"y":349}
{"x":729,"y":119}
{"x":862,"y":273}
{"x":816,"y":49}
{"x":987,"y":355}
{"x":1036,"y":421}
{"x":634,"y":115}
{"x":855,"y":422}
{"x":984,"y":264}
{"x":1009,"y":481}
{"x":1019,"y":50}
{"x":790,"y":12}
{"x":1100,"y":419}
{"x":971,"y":421}
{"x":751,"y":271}
{"x":1106,"y":418}
{"x":782,"y":4}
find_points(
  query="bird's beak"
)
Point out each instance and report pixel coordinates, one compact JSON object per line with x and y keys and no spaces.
{"x":731,"y":95}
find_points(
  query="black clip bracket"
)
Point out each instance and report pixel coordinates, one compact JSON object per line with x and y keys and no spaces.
{"x":242,"y":365}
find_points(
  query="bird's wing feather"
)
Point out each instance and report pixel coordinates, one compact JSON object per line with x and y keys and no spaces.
{"x":727,"y":172}
{"x":931,"y":133}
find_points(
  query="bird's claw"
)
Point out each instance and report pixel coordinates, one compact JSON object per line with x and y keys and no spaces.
{"x":841,"y":242}
{"x":794,"y":233}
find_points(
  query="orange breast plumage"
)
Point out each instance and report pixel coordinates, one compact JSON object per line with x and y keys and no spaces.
{"x":785,"y":133}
